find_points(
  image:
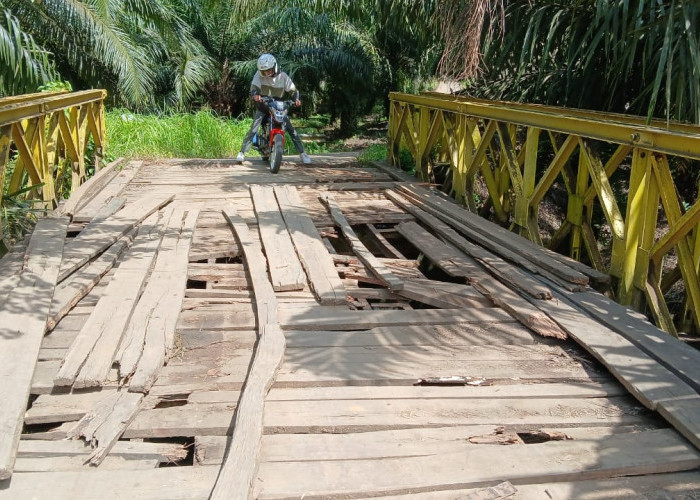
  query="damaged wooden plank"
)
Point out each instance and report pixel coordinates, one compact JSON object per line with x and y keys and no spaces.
{"x":506,"y":272}
{"x":72,"y":290}
{"x":103,"y":426}
{"x":587,"y":459}
{"x":312,"y":253}
{"x":92,"y":242}
{"x":150,"y":335}
{"x":369,"y":260}
{"x":519,"y":308}
{"x":491,"y":236}
{"x":241,"y":463}
{"x":90,"y":188}
{"x":447,"y":258}
{"x":286,"y":272}
{"x":22,"y":324}
{"x":109,"y":318}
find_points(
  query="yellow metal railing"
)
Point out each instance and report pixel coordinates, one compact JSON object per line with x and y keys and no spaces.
{"x":44,"y":135}
{"x":520,"y":151}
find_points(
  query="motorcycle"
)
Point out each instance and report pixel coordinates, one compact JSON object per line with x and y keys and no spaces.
{"x":269,"y":140}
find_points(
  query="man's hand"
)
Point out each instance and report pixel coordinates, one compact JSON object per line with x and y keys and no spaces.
{"x":297,"y":103}
{"x":257,"y":98}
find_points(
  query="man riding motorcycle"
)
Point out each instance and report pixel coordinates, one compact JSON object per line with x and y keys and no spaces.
{"x":270,"y":81}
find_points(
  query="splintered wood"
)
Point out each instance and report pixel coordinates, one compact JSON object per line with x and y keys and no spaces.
{"x":325,"y":332}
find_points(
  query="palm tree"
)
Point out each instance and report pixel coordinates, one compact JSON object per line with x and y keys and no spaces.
{"x":116,"y":44}
{"x":24,"y":65}
{"x":641,"y":56}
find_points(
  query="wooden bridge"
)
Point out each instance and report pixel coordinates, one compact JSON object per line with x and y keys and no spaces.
{"x":205,"y":329}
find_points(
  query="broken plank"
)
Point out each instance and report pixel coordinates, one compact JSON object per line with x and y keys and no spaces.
{"x":91,"y":242}
{"x":519,"y":308}
{"x":506,"y":272}
{"x":492,"y":236}
{"x":71,"y":291}
{"x":369,"y":260}
{"x":432,"y":292}
{"x":447,"y":258}
{"x":22,"y":324}
{"x":151,"y":329}
{"x":110,"y":316}
{"x":286,"y":272}
{"x":657,"y":451}
{"x":133,"y":450}
{"x":312,"y":253}
{"x":105,"y":425}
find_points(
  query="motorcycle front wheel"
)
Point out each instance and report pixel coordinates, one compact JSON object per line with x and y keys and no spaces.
{"x":276,"y":154}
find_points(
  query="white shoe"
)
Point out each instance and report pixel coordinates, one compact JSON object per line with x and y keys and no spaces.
{"x":305,"y":158}
{"x":240,"y":156}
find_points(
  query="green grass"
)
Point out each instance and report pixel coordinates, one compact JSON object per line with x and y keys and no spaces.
{"x":375,"y":152}
{"x":199,"y":135}
{"x":192,"y":135}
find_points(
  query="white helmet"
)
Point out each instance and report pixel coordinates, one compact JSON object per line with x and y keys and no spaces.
{"x":267,"y":61}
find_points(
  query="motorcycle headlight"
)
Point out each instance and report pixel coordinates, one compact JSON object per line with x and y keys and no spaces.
{"x":280,"y":114}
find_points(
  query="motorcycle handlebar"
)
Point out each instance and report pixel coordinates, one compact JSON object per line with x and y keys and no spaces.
{"x":267,"y":100}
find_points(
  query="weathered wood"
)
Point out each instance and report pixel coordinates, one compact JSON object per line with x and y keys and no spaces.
{"x":88,"y":209}
{"x":89,"y":189}
{"x":490,"y":333}
{"x":241,"y":462}
{"x":592,"y":459}
{"x":104,"y":328}
{"x":434,"y":293}
{"x":72,"y":290}
{"x":519,"y":308}
{"x":76,"y":463}
{"x":492,"y":236}
{"x":54,"y":408}
{"x":170,"y":483}
{"x":150,"y":336}
{"x":132,"y":450}
{"x":312,"y":253}
{"x":369,"y":260}
{"x":386,"y":247}
{"x":562,"y":390}
{"x":651,"y":383}
{"x":504,"y":271}
{"x":285,"y":269}
{"x":22,"y":323}
{"x":320,"y":319}
{"x":447,"y":258}
{"x":105,"y":425}
{"x":680,"y":358}
{"x":92,"y":242}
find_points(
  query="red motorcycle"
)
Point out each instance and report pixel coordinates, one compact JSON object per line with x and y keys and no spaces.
{"x":269,"y":140}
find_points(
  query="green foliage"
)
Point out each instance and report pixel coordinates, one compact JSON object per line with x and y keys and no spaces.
{"x":24,"y":65}
{"x":140,"y":50}
{"x":18,"y":213}
{"x":55,"y":86}
{"x":375,"y":152}
{"x":638,"y":56}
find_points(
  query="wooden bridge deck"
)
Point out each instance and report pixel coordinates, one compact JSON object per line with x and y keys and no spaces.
{"x":410,"y":369}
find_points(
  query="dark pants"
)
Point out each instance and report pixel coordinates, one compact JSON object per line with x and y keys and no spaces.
{"x":257,"y":120}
